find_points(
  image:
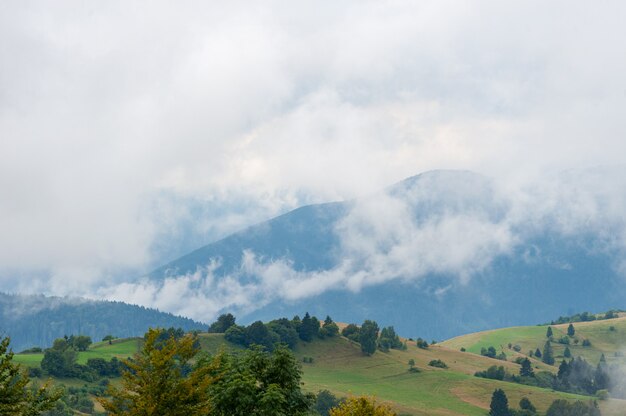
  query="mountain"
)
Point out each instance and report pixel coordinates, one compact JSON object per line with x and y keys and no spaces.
{"x":437,"y":255}
{"x":37,"y":320}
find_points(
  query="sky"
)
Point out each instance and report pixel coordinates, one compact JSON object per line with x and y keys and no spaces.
{"x":132,"y":132}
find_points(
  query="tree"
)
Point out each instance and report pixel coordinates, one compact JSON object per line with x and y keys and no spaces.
{"x":224,"y":321}
{"x":548,"y":354}
{"x":549,"y":332}
{"x":567,"y":353}
{"x":259,"y":383}
{"x":80,"y":342}
{"x":526,"y":404}
{"x":564,"y":408}
{"x":362,"y":406}
{"x":330,"y":328}
{"x":15,"y":398}
{"x":537,"y":353}
{"x":368,"y":337}
{"x":570,"y":330}
{"x":526,"y":370}
{"x":352,"y":332}
{"x":158,"y":380}
{"x":499,"y":404}
{"x":325,"y":401}
{"x":308,"y":328}
{"x":60,"y":360}
{"x":411,"y":364}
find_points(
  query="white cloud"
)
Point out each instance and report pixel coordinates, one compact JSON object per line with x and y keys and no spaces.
{"x":106,"y":108}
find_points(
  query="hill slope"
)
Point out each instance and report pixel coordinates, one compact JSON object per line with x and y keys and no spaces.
{"x":439,"y":254}
{"x":39,"y":320}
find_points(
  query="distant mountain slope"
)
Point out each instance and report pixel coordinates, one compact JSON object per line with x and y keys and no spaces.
{"x":439,"y":254}
{"x":39,"y":320}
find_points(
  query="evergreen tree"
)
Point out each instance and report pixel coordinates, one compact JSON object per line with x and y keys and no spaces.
{"x":526,"y":370}
{"x":499,"y":404}
{"x":567,"y":353}
{"x":330,"y":328}
{"x":548,"y":354}
{"x":307,"y":329}
{"x":368,"y":337}
{"x":549,"y":332}
{"x":15,"y":398}
{"x":570,"y":330}
{"x":537,"y":353}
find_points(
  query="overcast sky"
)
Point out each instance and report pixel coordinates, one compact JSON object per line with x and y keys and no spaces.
{"x":133,"y":131}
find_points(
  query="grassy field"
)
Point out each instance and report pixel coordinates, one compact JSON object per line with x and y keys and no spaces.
{"x":339,"y":366}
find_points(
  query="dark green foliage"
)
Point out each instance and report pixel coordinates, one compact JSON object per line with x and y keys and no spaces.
{"x":610,"y":315}
{"x":325,"y":401}
{"x":48,"y":318}
{"x":222,"y":324}
{"x":423,"y":344}
{"x":579,"y":317}
{"x":549,"y":332}
{"x":564,"y":408}
{"x":570,"y":330}
{"x":489,"y":352}
{"x":537,"y":353}
{"x":526,"y":404}
{"x":285,"y":330}
{"x":547,"y":356}
{"x":389,"y":339}
{"x":258,"y":334}
{"x":567,"y":353}
{"x":259,"y":383}
{"x":368,"y":337}
{"x":104,"y":368}
{"x":526,"y":370}
{"x":16,"y":399}
{"x":329,"y":329}
{"x":308,"y":328}
{"x":563,"y":340}
{"x":493,"y":373}
{"x":352,"y":332}
{"x":437,"y":363}
{"x":586,"y":343}
{"x":499,"y":404}
{"x":236,"y":334}
{"x":578,"y":376}
{"x":60,"y":360}
{"x":79,"y":342}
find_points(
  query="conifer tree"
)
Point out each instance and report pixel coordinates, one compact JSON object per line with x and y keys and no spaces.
{"x":499,"y":404}
{"x":548,"y":355}
{"x":549,"y":332}
{"x":526,"y":370}
{"x":570,"y":330}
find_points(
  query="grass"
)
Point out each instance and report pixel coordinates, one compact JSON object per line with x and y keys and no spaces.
{"x":339,"y":366}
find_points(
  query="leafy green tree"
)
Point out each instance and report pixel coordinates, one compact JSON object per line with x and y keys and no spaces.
{"x":361,"y":406}
{"x":224,"y":321}
{"x":368,"y":337}
{"x":325,"y":401}
{"x":16,"y":399}
{"x":60,"y":360}
{"x":352,"y":332}
{"x":257,"y":333}
{"x":259,"y":383}
{"x":562,"y":407}
{"x":80,"y":342}
{"x":158,"y":382}
{"x":549,"y":332}
{"x":570,"y":330}
{"x":548,"y":354}
{"x":329,"y":328}
{"x":389,"y":339}
{"x":499,"y":404}
{"x":526,"y":370}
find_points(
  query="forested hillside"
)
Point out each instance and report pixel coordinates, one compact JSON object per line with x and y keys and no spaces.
{"x":38,"y":320}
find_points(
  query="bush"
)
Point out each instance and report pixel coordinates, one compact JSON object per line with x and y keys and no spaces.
{"x":437,"y":363}
{"x":586,"y":343}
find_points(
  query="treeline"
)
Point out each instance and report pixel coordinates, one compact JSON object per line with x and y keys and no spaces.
{"x":36,"y":321}
{"x":499,"y":406}
{"x":585,"y":317}
{"x":290,"y":331}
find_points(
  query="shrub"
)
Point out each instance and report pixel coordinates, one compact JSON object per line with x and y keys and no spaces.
{"x":437,"y":363}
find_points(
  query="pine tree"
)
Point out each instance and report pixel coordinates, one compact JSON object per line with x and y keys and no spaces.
{"x":570,"y":330}
{"x":15,"y":398}
{"x":537,"y":353}
{"x":567,"y":353}
{"x":526,"y":404}
{"x":549,"y":332}
{"x":547,"y":356}
{"x":499,"y":404}
{"x":526,"y":370}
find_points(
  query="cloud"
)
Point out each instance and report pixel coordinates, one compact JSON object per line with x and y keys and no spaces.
{"x":123,"y":124}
